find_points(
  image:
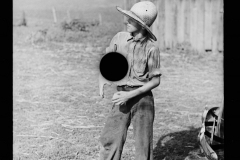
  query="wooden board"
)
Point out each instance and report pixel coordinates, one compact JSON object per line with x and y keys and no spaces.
{"x":220,"y":31}
{"x":200,"y":26}
{"x":195,"y":22}
{"x":215,"y":19}
{"x":168,"y":23}
{"x":180,"y":20}
{"x":193,"y":25}
{"x":208,"y":25}
{"x":174,"y":23}
{"x":161,"y":23}
{"x":155,"y":27}
{"x":187,"y":21}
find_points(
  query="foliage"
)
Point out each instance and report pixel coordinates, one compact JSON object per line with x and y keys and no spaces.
{"x":78,"y":25}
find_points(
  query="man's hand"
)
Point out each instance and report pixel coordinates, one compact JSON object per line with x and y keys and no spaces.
{"x":121,"y":97}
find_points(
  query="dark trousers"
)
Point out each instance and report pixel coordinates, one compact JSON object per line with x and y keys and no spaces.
{"x":138,"y":110}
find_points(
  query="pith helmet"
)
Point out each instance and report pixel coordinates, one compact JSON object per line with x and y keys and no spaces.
{"x":144,"y":13}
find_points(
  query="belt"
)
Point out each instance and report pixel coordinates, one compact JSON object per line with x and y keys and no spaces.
{"x":127,"y":88}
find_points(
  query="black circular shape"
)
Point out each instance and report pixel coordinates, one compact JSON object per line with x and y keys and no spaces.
{"x":113,"y":66}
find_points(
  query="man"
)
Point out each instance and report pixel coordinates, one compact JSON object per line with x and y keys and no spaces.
{"x":133,"y":103}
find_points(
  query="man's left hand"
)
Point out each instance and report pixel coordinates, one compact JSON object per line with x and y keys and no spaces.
{"x":121,"y":97}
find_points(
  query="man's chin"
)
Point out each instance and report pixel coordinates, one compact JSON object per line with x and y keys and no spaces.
{"x":128,"y":30}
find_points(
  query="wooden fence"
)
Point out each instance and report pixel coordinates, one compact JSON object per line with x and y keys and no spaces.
{"x":197,"y":24}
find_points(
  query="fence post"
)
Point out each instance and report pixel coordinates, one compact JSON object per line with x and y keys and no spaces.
{"x":100,"y":18}
{"x":23,"y":21}
{"x":68,"y":16}
{"x":54,"y":15}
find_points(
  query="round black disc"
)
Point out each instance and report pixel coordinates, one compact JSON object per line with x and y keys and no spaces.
{"x":113,"y":66}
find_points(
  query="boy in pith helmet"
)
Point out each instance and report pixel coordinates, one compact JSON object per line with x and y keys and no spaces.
{"x":133,"y":103}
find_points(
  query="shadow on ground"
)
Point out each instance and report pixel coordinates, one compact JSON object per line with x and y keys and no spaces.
{"x":178,"y":146}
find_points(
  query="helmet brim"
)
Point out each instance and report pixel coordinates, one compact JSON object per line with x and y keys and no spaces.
{"x":138,"y":20}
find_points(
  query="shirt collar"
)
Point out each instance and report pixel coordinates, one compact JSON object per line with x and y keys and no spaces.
{"x":136,"y":39}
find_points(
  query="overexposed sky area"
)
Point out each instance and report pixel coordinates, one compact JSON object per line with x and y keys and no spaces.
{"x":63,"y":4}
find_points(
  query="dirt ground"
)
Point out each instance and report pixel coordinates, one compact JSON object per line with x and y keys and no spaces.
{"x":58,"y":114}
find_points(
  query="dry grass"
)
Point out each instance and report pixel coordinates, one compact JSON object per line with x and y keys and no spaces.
{"x":57,"y":113}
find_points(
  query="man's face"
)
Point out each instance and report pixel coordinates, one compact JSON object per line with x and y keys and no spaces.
{"x":132,"y":25}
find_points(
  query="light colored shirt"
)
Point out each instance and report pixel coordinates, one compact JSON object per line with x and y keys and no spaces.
{"x":143,"y":57}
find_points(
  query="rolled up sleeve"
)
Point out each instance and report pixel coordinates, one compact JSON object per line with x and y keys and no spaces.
{"x":154,"y":62}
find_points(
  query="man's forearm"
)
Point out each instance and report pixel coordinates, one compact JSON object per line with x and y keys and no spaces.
{"x":155,"y":81}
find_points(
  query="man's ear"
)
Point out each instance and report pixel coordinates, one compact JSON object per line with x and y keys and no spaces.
{"x":144,"y":31}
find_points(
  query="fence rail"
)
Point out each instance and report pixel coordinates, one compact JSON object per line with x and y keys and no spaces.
{"x":194,"y":23}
